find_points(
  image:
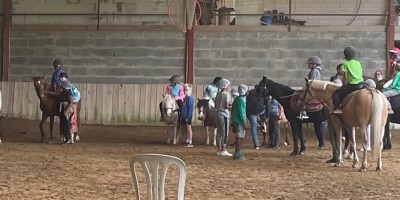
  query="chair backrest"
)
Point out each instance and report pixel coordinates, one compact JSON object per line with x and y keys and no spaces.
{"x":150,"y":164}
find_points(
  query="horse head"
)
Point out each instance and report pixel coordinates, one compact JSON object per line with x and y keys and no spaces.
{"x":317,"y":92}
{"x":201,"y":105}
{"x":169,"y":105}
{"x":39,"y":84}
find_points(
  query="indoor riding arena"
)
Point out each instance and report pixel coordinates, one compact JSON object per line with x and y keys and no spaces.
{"x":103,"y":70}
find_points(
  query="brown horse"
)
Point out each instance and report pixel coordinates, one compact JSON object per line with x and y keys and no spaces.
{"x":366,"y":106}
{"x":50,"y":106}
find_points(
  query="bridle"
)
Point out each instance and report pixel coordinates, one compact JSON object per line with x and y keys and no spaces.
{"x":313,"y":97}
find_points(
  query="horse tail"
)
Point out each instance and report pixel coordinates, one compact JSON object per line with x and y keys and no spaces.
{"x":377,"y":123}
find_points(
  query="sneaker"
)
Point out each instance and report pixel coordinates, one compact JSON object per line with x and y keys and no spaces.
{"x":225,"y":153}
{"x":218,"y":153}
{"x":189,"y":145}
{"x":257,"y":148}
{"x":321,"y":147}
{"x":331,"y":161}
{"x":303,"y":115}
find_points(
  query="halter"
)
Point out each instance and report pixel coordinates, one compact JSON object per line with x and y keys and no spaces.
{"x":319,"y":100}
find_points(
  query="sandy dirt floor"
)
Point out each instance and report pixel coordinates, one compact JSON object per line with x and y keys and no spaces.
{"x":97,"y":167}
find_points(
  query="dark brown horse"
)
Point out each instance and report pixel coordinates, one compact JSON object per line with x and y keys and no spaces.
{"x":50,"y":106}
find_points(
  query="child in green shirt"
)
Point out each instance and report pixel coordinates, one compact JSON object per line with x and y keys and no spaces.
{"x":239,"y":120}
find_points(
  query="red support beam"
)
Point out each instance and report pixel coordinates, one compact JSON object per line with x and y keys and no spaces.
{"x":6,"y":40}
{"x":190,"y":56}
{"x":390,"y":32}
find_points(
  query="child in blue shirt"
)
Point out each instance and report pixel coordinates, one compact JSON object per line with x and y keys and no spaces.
{"x":187,"y":114}
{"x":55,"y":79}
{"x":273,"y":123}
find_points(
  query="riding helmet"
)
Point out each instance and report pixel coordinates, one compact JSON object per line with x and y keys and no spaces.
{"x":242,"y":89}
{"x":234,"y":92}
{"x":57,"y":62}
{"x":394,"y":50}
{"x":314,"y":60}
{"x":349,"y":53}
{"x":174,"y":79}
{"x":223,"y":83}
{"x":371,"y":83}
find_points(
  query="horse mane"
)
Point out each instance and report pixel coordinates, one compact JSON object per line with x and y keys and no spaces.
{"x":322,"y":85}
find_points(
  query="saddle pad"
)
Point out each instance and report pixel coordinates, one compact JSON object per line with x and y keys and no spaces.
{"x":312,"y":106}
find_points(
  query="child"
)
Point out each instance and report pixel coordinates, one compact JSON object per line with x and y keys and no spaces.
{"x":239,"y":120}
{"x":314,"y":64}
{"x":187,"y":113}
{"x":175,"y":90}
{"x":352,"y":77}
{"x":273,"y":123}
{"x":223,"y":103}
{"x":212,"y":90}
{"x":66,"y":111}
{"x":55,"y":79}
{"x":394,"y":88}
{"x":234,"y":93}
{"x":76,"y":97}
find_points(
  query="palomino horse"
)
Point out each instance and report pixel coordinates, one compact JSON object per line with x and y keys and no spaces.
{"x":171,"y":116}
{"x":365,"y":106}
{"x":208,"y":114}
{"x":284,"y":94}
{"x":50,"y":106}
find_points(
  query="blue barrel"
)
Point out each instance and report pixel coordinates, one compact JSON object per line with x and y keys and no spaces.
{"x":266,"y":21}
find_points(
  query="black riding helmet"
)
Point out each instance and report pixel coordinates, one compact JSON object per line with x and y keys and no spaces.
{"x":349,"y":53}
{"x":216,"y":80}
{"x":57,"y":62}
{"x":174,"y":79}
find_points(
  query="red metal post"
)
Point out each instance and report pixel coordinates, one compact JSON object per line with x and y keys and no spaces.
{"x":190,"y":56}
{"x":390,"y":32}
{"x":6,"y":40}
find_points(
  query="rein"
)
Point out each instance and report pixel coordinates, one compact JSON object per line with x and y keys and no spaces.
{"x":319,"y":100}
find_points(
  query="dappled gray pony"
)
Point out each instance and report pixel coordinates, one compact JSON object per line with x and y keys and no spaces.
{"x":169,"y":110}
{"x":208,"y":114}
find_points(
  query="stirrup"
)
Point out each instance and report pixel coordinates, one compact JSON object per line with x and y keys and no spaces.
{"x":390,"y":111}
{"x":336,"y":111}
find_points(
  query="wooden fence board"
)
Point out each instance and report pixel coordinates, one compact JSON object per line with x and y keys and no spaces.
{"x":99,"y":103}
{"x":24,"y":100}
{"x":142,"y":95}
{"x":5,"y":93}
{"x":130,"y":106}
{"x":115,"y":102}
{"x":90,"y":111}
{"x":17,"y":106}
{"x":160,"y":97}
{"x":121,"y":117}
{"x":107,"y":106}
{"x":82,"y":89}
{"x":33,"y":103}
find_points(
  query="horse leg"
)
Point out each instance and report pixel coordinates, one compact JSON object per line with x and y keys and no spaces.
{"x":386,"y":139}
{"x":301,"y":137}
{"x":51,"y":139}
{"x":208,"y":136}
{"x":379,"y":162}
{"x":338,"y":134}
{"x":42,"y":136}
{"x":215,"y":137}
{"x":365,"y":152}
{"x":168,"y":135}
{"x":287,"y":133}
{"x":294,"y":126}
{"x":176,"y":138}
{"x":354,"y":147}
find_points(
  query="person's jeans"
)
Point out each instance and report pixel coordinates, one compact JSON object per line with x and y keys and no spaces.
{"x":274,"y":131}
{"x":254,"y":133}
{"x":319,"y":128}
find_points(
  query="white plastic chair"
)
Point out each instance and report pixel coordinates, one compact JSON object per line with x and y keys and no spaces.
{"x":150,"y":164}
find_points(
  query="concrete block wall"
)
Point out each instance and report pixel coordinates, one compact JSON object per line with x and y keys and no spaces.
{"x":244,"y":57}
{"x":152,"y":56}
{"x":99,"y":56}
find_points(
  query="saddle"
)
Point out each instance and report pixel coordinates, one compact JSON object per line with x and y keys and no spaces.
{"x":395,"y":101}
{"x":360,"y":86}
{"x":312,"y":106}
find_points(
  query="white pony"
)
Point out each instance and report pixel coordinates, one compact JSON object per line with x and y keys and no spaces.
{"x":170,"y":115}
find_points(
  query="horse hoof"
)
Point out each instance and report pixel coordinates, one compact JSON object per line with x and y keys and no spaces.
{"x":362,"y":169}
{"x":302,"y":153}
{"x":355,"y":166}
{"x":336,"y":165}
{"x":285,"y":143}
{"x":294,"y":153}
